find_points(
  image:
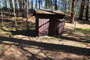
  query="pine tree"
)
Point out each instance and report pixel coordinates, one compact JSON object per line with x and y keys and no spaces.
{"x":82,"y":9}
{"x":74,"y":2}
{"x":87,"y":10}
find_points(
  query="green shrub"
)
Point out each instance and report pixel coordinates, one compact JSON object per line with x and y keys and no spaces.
{"x":84,"y":31}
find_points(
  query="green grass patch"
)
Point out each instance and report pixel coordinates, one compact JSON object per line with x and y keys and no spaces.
{"x":47,"y":37}
{"x":1,"y":30}
{"x":84,"y":30}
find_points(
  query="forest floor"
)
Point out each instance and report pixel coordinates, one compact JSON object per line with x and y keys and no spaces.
{"x":74,"y":44}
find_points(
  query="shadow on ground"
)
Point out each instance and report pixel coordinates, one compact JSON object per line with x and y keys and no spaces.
{"x":51,"y":47}
{"x":25,"y":32}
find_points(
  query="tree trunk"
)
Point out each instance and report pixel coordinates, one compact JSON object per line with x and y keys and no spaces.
{"x":20,"y":4}
{"x":11,"y":6}
{"x":66,"y":5}
{"x":39,"y":4}
{"x":82,"y":9}
{"x":55,"y":4}
{"x":15,"y":15}
{"x":87,"y":11}
{"x":31,"y":4}
{"x":28,"y":4}
{"x":16,"y":4}
{"x":52,"y":5}
{"x":0,"y":5}
{"x":2,"y":21}
{"x":27,"y":14}
{"x":23,"y":4}
{"x":73,"y":11}
{"x":36,"y":4}
{"x":5,"y":3}
{"x":46,"y":4}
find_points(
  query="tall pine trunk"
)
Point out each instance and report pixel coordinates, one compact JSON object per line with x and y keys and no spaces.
{"x":87,"y":11}
{"x":82,"y":9}
{"x":16,"y":4}
{"x":28,"y":4}
{"x":2,"y":21}
{"x":11,"y":5}
{"x":55,"y":4}
{"x":5,"y":3}
{"x":27,"y":7}
{"x":74,"y":2}
{"x":15,"y":14}
{"x":66,"y":1}
{"x":36,"y":4}
{"x":31,"y":4}
{"x":46,"y":4}
{"x":39,"y":3}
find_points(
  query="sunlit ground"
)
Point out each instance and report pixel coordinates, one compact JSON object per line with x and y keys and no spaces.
{"x":74,"y":44}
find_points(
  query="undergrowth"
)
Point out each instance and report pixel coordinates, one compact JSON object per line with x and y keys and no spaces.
{"x":84,"y":30}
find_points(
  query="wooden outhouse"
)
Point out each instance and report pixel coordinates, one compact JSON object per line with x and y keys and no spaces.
{"x":49,"y":23}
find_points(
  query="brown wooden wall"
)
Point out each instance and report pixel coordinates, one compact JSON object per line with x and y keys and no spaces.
{"x":48,"y":24}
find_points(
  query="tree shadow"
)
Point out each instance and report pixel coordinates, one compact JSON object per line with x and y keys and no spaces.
{"x":84,"y":22}
{"x":78,"y":35}
{"x":74,"y":39}
{"x":6,"y":20}
{"x":50,"y":47}
{"x":31,"y":33}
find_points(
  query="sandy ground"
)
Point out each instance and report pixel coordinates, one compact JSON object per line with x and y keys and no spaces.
{"x":68,"y":47}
